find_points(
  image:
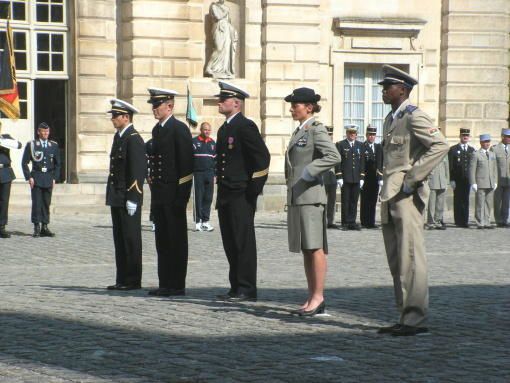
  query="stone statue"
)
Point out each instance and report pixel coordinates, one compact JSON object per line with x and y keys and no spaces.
{"x":221,"y":63}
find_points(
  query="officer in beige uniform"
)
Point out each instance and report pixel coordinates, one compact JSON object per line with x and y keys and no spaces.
{"x":438,"y":182}
{"x":502,"y":192}
{"x":483,"y":175}
{"x":309,"y":155}
{"x":412,"y":148}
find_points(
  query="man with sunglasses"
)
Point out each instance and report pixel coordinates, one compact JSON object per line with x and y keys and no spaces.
{"x":171,"y":173}
{"x":242,"y":167}
{"x":124,"y":195}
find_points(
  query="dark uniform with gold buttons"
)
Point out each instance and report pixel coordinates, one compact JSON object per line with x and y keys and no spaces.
{"x":351,"y":170}
{"x":45,"y":158}
{"x":242,"y":169}
{"x":124,"y":195}
{"x":459,"y":157}
{"x":6,"y":178}
{"x":171,"y":173}
{"x":373,"y":154}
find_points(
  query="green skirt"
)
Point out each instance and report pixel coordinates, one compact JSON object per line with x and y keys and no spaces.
{"x":306,"y":226}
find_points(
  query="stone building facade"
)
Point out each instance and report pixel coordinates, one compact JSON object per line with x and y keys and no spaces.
{"x":457,"y":49}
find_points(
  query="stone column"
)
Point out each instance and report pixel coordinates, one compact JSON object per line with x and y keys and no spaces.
{"x":474,"y":67}
{"x":96,"y":74}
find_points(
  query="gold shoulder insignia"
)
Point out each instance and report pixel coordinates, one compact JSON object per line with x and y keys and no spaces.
{"x":260,"y":173}
{"x":185,"y":179}
{"x":135,"y":185}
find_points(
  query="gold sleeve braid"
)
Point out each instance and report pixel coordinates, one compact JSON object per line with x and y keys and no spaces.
{"x":135,"y":185}
{"x":185,"y":179}
{"x":260,"y":173}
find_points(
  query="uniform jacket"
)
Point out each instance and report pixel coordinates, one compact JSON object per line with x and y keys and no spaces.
{"x":413,"y":147}
{"x":310,"y":147}
{"x":242,"y":162}
{"x":459,"y":163}
{"x":352,"y":166}
{"x":46,"y":164}
{"x":204,"y":154}
{"x":128,"y":167}
{"x":171,"y":163}
{"x":6,"y":172}
{"x":373,"y":162}
{"x":483,"y":171}
{"x":503,"y":164}
{"x":440,"y":176}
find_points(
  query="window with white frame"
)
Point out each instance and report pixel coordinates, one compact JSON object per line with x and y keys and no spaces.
{"x":16,"y":9}
{"x":49,"y":11}
{"x":363,"y":103}
{"x":50,"y":52}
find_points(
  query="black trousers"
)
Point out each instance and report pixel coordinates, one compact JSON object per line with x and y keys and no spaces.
{"x":5,"y":194}
{"x":171,"y":245}
{"x":461,"y":203}
{"x":41,"y":200}
{"x":238,"y":235}
{"x":127,"y":238}
{"x":204,"y":189}
{"x":369,"y":195}
{"x":350,"y":196}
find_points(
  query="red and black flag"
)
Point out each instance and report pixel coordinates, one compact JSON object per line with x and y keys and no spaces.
{"x":9,"y":96}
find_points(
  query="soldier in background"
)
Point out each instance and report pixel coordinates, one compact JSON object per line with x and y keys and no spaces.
{"x":438,"y":182}
{"x":124,"y":195}
{"x":44,"y":155}
{"x":483,"y":175}
{"x":350,"y":175}
{"x":373,"y":154}
{"x":502,"y":192}
{"x":459,"y":157}
{"x":150,"y":158}
{"x":6,"y":177}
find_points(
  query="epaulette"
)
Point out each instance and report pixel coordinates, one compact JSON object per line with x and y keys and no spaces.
{"x":54,"y":142}
{"x":134,"y":134}
{"x":316,"y":123}
{"x":411,"y":108}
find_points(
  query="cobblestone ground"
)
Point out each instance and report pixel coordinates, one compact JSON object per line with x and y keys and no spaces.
{"x":59,"y":324}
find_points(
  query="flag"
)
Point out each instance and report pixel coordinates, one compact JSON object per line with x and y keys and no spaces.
{"x":9,"y":97}
{"x":191,"y":114}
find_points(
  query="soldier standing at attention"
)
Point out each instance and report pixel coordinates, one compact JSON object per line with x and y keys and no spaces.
{"x":204,"y":168}
{"x":171,"y":172}
{"x":438,"y":182}
{"x":6,"y":177}
{"x":502,"y":192}
{"x":350,"y":175}
{"x":124,"y":195}
{"x":373,"y":154}
{"x":241,"y":171}
{"x":45,"y":157}
{"x":412,"y":147}
{"x":459,"y":156}
{"x":483,"y":176}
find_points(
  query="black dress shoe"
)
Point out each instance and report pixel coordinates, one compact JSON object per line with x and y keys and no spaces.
{"x":113,"y":287}
{"x":405,"y":330}
{"x":37,"y":230}
{"x":45,"y":232}
{"x":3,"y":233}
{"x":129,"y":287}
{"x":354,"y":226}
{"x":224,"y":297}
{"x":441,"y":227}
{"x":489,"y":227}
{"x":242,"y":298}
{"x":333,"y":226}
{"x":320,"y":309}
{"x":167,"y":292}
{"x":389,"y":329}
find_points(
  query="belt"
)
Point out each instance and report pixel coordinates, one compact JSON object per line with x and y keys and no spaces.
{"x":4,"y":166}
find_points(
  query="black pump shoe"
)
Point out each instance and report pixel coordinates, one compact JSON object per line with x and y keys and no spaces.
{"x":320,"y":309}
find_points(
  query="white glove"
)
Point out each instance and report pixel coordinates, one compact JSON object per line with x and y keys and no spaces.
{"x":406,"y":189}
{"x":307,"y":176}
{"x":453,"y":184}
{"x":474,"y":187}
{"x":495,"y":186}
{"x":361,"y":183}
{"x":131,"y":208}
{"x":380,"y":182}
{"x":340,"y":182}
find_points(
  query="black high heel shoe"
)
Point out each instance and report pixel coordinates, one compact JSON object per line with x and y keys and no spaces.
{"x":320,"y":309}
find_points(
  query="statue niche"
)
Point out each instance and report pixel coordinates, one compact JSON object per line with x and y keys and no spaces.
{"x":225,"y":37}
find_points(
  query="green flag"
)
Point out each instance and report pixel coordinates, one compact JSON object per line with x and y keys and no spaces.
{"x":191,"y":113}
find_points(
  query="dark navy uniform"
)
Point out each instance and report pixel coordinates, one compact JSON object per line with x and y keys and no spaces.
{"x":352,"y":171}
{"x":128,"y":168}
{"x":459,"y":160}
{"x":370,"y":191}
{"x":6,"y":178}
{"x":45,"y":159}
{"x":204,"y":167}
{"x":150,"y":156}
{"x":171,"y":173}
{"x":242,"y":169}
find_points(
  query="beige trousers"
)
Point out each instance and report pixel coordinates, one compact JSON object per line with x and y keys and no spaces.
{"x":402,"y":228}
{"x":483,"y":200}
{"x":436,"y":206}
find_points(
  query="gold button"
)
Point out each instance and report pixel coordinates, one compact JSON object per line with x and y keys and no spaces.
{"x":222,"y":168}
{"x":111,"y":174}
{"x":223,"y":155}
